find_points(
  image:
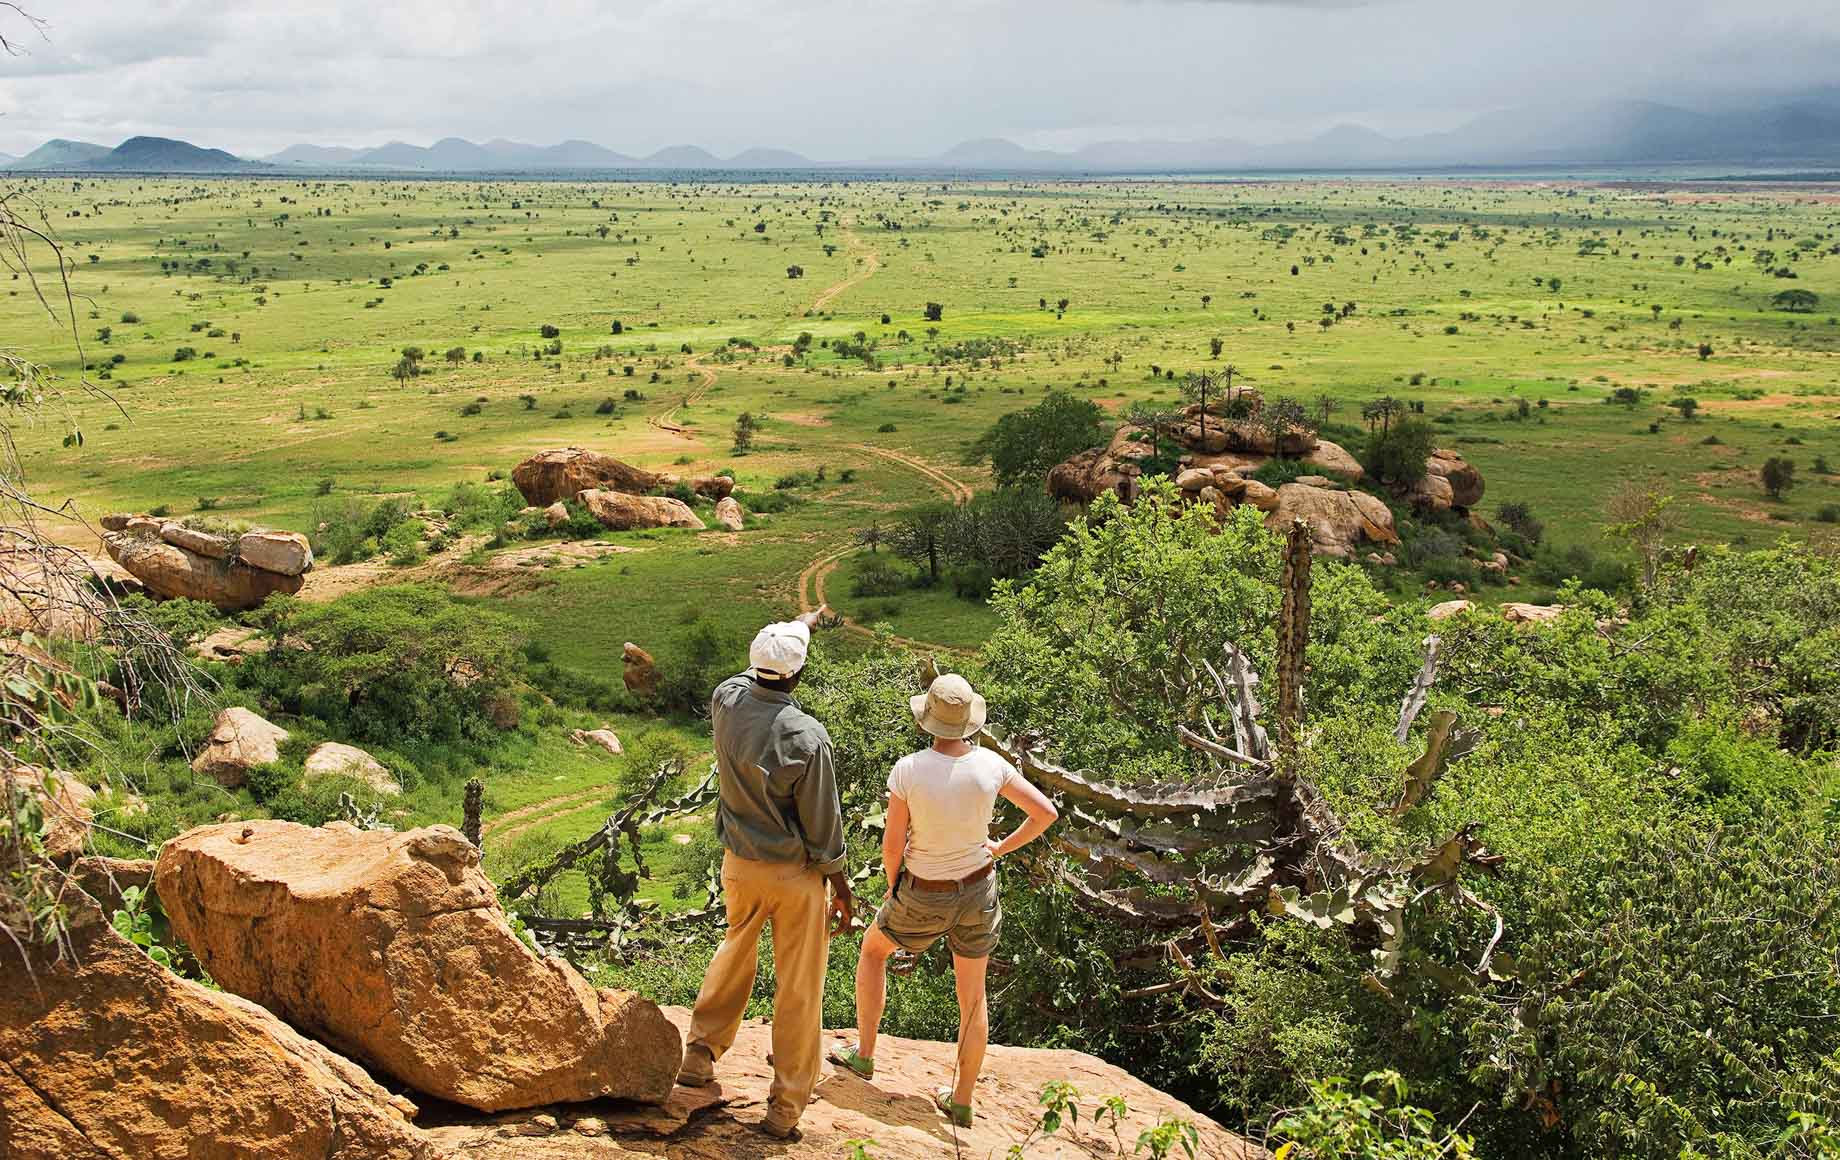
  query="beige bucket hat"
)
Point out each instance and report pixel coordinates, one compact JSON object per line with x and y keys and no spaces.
{"x":950,"y":708}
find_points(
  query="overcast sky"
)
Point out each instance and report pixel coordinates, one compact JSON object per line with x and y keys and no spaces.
{"x":849,"y":79}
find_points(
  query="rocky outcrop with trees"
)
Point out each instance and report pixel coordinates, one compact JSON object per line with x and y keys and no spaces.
{"x":1238,"y":451}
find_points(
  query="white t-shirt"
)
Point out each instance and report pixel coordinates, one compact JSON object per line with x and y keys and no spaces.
{"x":950,"y":801}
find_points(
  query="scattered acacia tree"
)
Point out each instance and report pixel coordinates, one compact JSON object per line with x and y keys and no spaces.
{"x":871,"y":537}
{"x":746,"y":426}
{"x":1644,"y":516}
{"x":1023,"y":446}
{"x":1705,"y":351}
{"x":795,"y":271}
{"x":1796,"y":301}
{"x":921,"y":538}
{"x":1777,"y":475}
{"x":1687,"y":405}
{"x":935,"y":311}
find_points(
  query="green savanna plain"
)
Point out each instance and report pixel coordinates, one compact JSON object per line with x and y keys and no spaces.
{"x":297,"y":297}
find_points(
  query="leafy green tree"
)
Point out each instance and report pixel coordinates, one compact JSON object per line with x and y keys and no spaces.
{"x":1777,"y":475}
{"x":1023,"y":446}
{"x":1398,"y":455}
{"x":746,"y":426}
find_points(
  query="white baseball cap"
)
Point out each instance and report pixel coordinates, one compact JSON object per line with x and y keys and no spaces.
{"x":779,"y":650}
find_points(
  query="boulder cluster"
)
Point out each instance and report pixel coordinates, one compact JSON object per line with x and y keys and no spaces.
{"x":620,"y":496}
{"x":1219,"y":457}
{"x":233,"y":572}
{"x":362,"y":972}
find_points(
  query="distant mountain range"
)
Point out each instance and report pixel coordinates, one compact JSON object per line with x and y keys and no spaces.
{"x":135,"y":155}
{"x":1800,"y":133}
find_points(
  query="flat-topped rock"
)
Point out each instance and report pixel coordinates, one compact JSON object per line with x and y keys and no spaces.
{"x":622,"y":512}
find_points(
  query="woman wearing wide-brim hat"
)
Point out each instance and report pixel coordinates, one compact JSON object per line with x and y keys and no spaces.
{"x":941,"y":863}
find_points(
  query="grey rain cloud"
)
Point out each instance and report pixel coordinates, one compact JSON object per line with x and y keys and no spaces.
{"x":837,"y":79}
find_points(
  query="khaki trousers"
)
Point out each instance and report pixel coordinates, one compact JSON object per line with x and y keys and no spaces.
{"x":793,"y":898}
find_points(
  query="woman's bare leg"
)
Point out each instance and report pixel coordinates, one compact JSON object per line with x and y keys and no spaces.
{"x":973,"y":1024}
{"x":871,"y":988}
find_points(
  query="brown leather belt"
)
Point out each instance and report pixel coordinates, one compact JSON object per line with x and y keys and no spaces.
{"x":948,"y":883}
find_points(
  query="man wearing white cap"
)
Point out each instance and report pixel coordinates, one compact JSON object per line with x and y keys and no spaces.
{"x":781,"y":827}
{"x":941,"y":863}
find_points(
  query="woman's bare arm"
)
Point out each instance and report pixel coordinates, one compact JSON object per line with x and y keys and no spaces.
{"x":1041,"y":814}
{"x":894,"y":838}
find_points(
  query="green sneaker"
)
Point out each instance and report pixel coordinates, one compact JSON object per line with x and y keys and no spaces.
{"x":859,"y":1065}
{"x":959,"y":1114}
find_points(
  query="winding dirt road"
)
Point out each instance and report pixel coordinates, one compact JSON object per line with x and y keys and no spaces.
{"x":812,"y":579}
{"x":872,"y":262}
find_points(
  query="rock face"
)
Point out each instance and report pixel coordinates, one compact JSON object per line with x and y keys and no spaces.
{"x":66,"y":806}
{"x":391,"y":948}
{"x":561,"y":474}
{"x":239,"y":742}
{"x":641,"y":673}
{"x":331,"y":759}
{"x":114,"y":1056}
{"x":169,"y":570}
{"x":192,"y":540}
{"x":556,"y":514}
{"x":230,"y":644}
{"x":622,"y":512}
{"x":1340,"y":521}
{"x":729,"y":514}
{"x":713,"y":486}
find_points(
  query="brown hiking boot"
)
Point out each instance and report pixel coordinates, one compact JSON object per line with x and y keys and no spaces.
{"x":699,"y":1069}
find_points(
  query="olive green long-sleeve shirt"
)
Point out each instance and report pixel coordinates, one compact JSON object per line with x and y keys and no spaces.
{"x":778,"y":788}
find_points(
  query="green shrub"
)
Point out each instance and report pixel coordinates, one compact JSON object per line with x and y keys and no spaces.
{"x":877,"y":577}
{"x":1278,"y":471}
{"x":391,"y":665}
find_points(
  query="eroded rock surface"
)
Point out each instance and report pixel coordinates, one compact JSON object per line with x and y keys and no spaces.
{"x":895,"y":1110}
{"x":391,"y":948}
{"x":112,"y":1056}
{"x":1340,"y":521}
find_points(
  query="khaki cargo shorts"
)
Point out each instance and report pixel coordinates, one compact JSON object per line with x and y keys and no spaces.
{"x":970,"y":917}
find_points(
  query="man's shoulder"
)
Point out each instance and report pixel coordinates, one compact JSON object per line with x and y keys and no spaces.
{"x":802,"y":726}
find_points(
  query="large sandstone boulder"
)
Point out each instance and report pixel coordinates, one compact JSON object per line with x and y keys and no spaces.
{"x":729,"y":514}
{"x":1460,"y":482}
{"x":239,"y":742}
{"x":64,"y":800}
{"x":549,"y":476}
{"x":1340,"y":521}
{"x":1334,"y":460}
{"x":713,"y":486}
{"x":283,"y":553}
{"x":331,"y":759}
{"x":641,"y":672}
{"x":169,"y":571}
{"x":605,"y":739}
{"x":107,"y":1055}
{"x":391,"y":948}
{"x":623,"y":512}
